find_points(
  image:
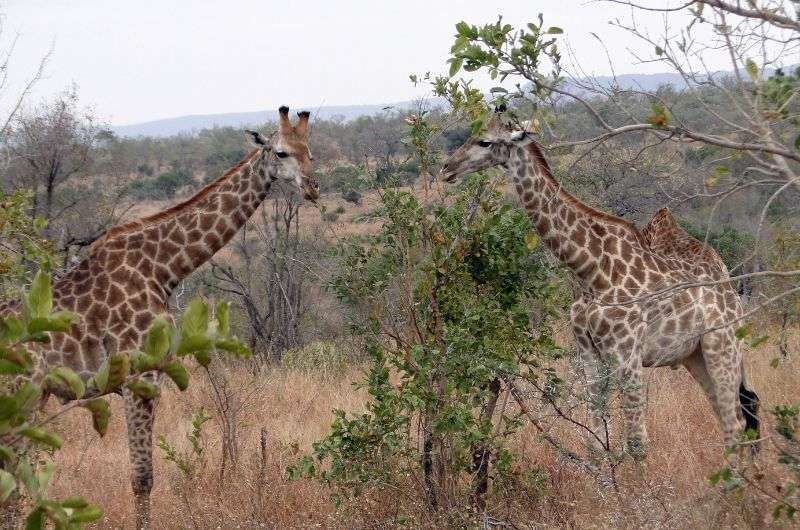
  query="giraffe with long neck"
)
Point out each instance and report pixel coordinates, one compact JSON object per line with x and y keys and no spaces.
{"x":127,"y":277}
{"x":617,"y":320}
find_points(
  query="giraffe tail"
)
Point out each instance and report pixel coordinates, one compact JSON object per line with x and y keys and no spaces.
{"x":748,"y":401}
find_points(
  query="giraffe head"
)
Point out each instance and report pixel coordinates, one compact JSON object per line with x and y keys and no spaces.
{"x":286,"y":155}
{"x":489,"y":149}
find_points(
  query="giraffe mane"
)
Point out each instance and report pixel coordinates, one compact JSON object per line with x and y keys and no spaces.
{"x":169,"y":212}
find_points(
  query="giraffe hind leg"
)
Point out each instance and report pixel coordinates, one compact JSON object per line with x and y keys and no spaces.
{"x":722,"y":358}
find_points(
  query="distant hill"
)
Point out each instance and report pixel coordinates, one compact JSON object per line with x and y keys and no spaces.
{"x":197,"y":122}
{"x":194,"y":123}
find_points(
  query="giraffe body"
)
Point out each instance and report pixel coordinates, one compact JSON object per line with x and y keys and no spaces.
{"x":615,"y":322}
{"x":128,"y":276}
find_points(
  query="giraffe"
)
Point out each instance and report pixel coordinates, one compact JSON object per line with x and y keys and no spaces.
{"x":129,"y":273}
{"x":617,"y":266}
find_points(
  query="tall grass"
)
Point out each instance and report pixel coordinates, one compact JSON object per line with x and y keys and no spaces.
{"x":293,"y":408}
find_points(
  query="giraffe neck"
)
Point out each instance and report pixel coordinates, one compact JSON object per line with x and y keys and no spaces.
{"x":597,"y":246}
{"x":168,"y":246}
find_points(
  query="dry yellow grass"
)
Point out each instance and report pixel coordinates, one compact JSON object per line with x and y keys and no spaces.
{"x":295,"y":407}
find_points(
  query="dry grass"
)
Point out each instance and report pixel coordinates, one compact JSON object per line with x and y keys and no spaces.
{"x":295,"y":408}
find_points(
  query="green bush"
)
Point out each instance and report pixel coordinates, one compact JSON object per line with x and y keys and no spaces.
{"x":343,"y":177}
{"x":352,"y":196}
{"x":165,"y":186}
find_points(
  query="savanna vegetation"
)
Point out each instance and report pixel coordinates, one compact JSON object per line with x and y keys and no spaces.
{"x":412,"y":364}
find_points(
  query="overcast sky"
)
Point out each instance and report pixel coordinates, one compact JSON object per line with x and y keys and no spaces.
{"x":139,"y":60}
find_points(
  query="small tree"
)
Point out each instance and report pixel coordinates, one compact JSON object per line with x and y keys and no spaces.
{"x":53,"y":144}
{"x":443,"y":297}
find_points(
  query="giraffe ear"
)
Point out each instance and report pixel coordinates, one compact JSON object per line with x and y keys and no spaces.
{"x":256,"y":138}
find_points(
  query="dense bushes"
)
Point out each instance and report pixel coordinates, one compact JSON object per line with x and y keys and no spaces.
{"x":165,"y":186}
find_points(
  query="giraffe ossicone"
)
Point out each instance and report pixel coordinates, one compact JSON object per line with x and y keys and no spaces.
{"x":616,"y":320}
{"x":127,"y":277}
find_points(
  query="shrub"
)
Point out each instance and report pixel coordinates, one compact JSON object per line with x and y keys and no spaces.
{"x":343,"y":177}
{"x":443,"y":298}
{"x":352,"y":196}
{"x":340,"y":209}
{"x":165,"y":186}
{"x":330,"y":217}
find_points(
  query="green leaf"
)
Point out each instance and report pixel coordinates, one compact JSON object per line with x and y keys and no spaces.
{"x":143,"y":389}
{"x":11,"y":368}
{"x":195,"y":318}
{"x":87,"y":514}
{"x":63,"y":376}
{"x":25,"y":475}
{"x":27,"y":397}
{"x":157,"y":341}
{"x":223,"y":319}
{"x":35,"y":520}
{"x":143,"y":362}
{"x":12,"y":329}
{"x":75,"y":503}
{"x":177,"y":372}
{"x":101,"y":412}
{"x":118,"y":370}
{"x":8,"y":407}
{"x":40,"y":296}
{"x":554,"y":30}
{"x":59,"y":321}
{"x":42,"y":436}
{"x":531,"y":240}
{"x":7,"y":485}
{"x":6,"y":453}
{"x":233,"y":346}
{"x":455,"y":65}
{"x":193,"y":344}
{"x":752,"y":69}
{"x":203,"y":358}
{"x":659,"y":51}
{"x":743,"y":331}
{"x":797,"y":142}
{"x":45,"y":474}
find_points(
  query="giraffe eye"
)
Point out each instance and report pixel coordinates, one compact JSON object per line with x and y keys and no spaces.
{"x":281,"y":154}
{"x":484,"y":143}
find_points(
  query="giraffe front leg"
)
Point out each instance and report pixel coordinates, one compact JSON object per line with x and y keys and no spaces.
{"x":633,"y":407}
{"x":596,"y":374}
{"x":139,"y":416}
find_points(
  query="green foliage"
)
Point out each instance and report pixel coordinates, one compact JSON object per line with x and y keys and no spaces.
{"x":732,"y":245}
{"x":24,"y":248}
{"x":442,"y":296}
{"x":187,"y":461}
{"x":500,"y":50}
{"x":165,"y":186}
{"x":197,"y":337}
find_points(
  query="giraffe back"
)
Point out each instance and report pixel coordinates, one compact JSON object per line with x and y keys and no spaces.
{"x":664,"y":236}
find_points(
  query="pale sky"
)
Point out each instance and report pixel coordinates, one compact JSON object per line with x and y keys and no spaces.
{"x":140,"y":60}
